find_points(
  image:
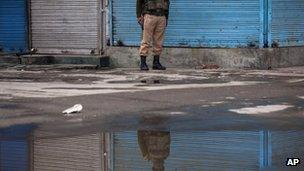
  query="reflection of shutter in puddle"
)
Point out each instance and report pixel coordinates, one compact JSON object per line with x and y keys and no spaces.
{"x":72,"y":153}
{"x":288,"y":144}
{"x":14,"y":155}
{"x":230,"y":150}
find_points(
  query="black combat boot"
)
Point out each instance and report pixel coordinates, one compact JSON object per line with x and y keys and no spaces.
{"x":143,"y":64}
{"x":156,"y":64}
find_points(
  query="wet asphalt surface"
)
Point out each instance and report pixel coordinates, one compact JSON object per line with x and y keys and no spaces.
{"x":127,"y":99}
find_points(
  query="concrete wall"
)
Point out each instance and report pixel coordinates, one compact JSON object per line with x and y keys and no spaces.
{"x":225,"y":58}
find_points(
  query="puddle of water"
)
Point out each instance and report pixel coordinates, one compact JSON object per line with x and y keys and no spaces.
{"x":230,"y":98}
{"x":261,"y":109}
{"x":147,"y":150}
{"x":295,"y":80}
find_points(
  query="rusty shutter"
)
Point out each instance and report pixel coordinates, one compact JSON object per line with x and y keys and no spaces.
{"x":66,"y":26}
{"x":68,"y":153}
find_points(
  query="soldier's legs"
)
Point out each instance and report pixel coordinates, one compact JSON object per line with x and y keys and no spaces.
{"x":158,"y":36}
{"x":158,"y":39}
{"x":149,"y":27}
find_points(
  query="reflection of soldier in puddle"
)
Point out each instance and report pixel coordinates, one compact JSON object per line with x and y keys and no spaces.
{"x":155,"y":146}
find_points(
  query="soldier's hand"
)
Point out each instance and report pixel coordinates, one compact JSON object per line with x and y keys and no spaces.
{"x":140,"y":20}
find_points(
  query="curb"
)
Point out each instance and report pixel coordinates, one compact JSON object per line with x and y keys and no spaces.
{"x":97,"y":61}
{"x":102,"y":61}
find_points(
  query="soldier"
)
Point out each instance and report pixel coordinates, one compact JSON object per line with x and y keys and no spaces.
{"x":152,"y":15}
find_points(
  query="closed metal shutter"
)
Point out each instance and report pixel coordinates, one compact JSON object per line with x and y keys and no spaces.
{"x":196,"y":23}
{"x":14,"y":155}
{"x":13,"y":26}
{"x":69,"y":153}
{"x":287,"y":23}
{"x":194,"y":151}
{"x":66,"y":26}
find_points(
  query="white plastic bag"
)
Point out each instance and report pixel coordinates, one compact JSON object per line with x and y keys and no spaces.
{"x":75,"y":109}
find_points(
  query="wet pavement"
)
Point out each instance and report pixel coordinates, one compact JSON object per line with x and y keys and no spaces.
{"x":176,"y":119}
{"x":123,"y":99}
